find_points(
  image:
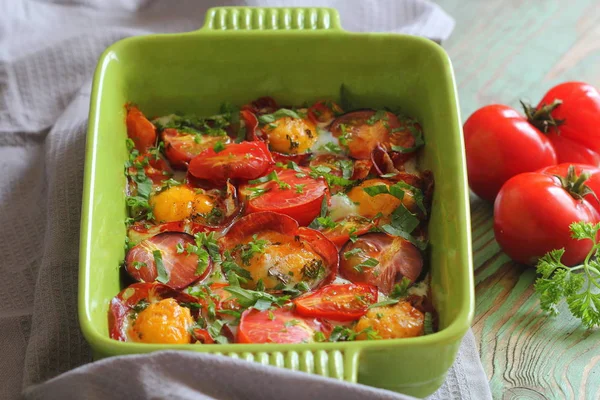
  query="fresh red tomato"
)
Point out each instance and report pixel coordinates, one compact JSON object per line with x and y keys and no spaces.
{"x":381,"y":260}
{"x":139,"y":129}
{"x":290,"y":192}
{"x":180,"y":267}
{"x":593,"y":181}
{"x":246,"y":160}
{"x":337,"y":302}
{"x":324,"y":111}
{"x":500,"y":143}
{"x":279,"y":326}
{"x":579,"y":119}
{"x":532,"y":215}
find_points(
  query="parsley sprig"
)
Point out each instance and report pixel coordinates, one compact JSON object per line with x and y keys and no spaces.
{"x":577,"y":285}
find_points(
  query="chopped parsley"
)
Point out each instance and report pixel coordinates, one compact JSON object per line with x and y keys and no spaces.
{"x":162,"y":274}
{"x":380,"y":115}
{"x":368,"y":263}
{"x":138,"y":265}
{"x":249,"y":298}
{"x":250,"y":249}
{"x":233,"y":271}
{"x":299,"y":187}
{"x":401,"y":289}
{"x":281,"y":113}
{"x":219,"y":146}
{"x":384,"y":303}
{"x":353,"y":252}
{"x":256,"y":192}
{"x":271,"y":177}
{"x":332,"y":180}
{"x":323,"y":221}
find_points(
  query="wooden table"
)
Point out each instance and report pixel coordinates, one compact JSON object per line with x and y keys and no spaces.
{"x":503,"y":51}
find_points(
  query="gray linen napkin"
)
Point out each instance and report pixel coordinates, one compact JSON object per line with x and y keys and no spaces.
{"x":48,"y":51}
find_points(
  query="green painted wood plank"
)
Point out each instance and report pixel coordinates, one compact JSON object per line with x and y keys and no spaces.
{"x":503,"y":51}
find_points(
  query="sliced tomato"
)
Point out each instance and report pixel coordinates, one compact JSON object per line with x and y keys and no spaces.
{"x":346,"y":302}
{"x":280,"y":325}
{"x":157,"y":169}
{"x":324,"y":111}
{"x":294,"y":193}
{"x":246,"y":160}
{"x":396,"y":258}
{"x":262,"y":105}
{"x":307,"y":242}
{"x":364,"y":130}
{"x":182,"y":267}
{"x":351,"y":225}
{"x":181,"y":147}
{"x":140,"y":129}
{"x":123,"y":304}
{"x":568,"y":150}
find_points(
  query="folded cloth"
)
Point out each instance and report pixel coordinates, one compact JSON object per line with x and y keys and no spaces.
{"x":48,"y":51}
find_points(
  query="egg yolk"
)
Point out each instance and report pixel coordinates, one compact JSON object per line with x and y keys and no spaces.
{"x":282,"y":260}
{"x":178,"y":203}
{"x":162,"y":322}
{"x":291,"y":135}
{"x":399,"y":321}
{"x":369,"y":206}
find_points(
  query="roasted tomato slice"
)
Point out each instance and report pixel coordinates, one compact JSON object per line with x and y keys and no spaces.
{"x":346,"y":302}
{"x":351,"y":225}
{"x":151,"y":313}
{"x":181,"y":147}
{"x":364,"y":130}
{"x":279,"y":326}
{"x":324,"y":111}
{"x":380,"y":260}
{"x":289,"y":192}
{"x":140,"y":129}
{"x":250,"y":125}
{"x":272,"y":248}
{"x":246,"y":160}
{"x":167,"y":258}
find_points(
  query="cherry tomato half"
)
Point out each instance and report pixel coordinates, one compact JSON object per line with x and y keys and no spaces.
{"x":246,"y":160}
{"x":500,"y":143}
{"x":280,"y":325}
{"x":337,"y":302}
{"x":140,"y":129}
{"x":181,"y":147}
{"x":532,"y":215}
{"x":324,"y":111}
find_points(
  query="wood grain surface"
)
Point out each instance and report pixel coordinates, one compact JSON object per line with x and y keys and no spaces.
{"x":503,"y":51}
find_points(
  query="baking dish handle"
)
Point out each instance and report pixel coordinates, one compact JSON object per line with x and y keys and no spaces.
{"x":271,"y":19}
{"x":334,"y":363}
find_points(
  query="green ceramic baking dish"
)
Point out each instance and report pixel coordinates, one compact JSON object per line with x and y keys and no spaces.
{"x":294,"y":55}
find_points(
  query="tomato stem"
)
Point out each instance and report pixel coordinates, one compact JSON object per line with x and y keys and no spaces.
{"x":575,"y":185}
{"x":542,"y":117}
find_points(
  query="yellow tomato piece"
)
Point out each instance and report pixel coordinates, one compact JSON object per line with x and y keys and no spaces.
{"x":284,"y":260}
{"x":369,"y":206}
{"x":178,"y":203}
{"x":401,"y":320}
{"x":291,"y":135}
{"x":163,"y":322}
